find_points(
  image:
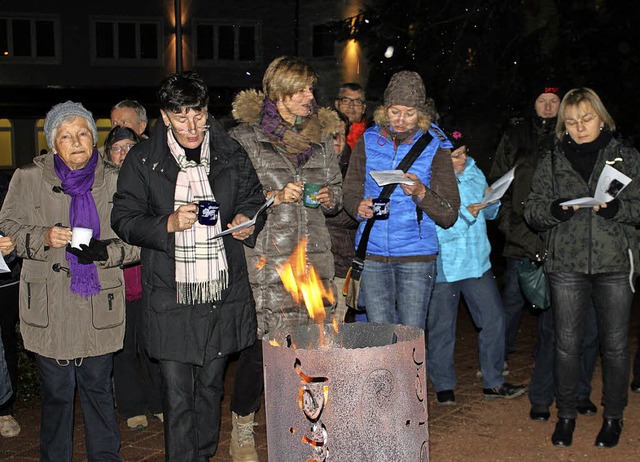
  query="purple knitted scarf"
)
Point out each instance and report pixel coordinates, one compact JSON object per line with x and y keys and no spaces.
{"x":82,"y":213}
{"x":288,"y":138}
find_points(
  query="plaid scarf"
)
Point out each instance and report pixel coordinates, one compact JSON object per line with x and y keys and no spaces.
{"x":288,"y":138}
{"x":82,"y":213}
{"x":201,"y":263}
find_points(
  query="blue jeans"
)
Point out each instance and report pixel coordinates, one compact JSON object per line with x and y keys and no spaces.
{"x":483,"y":299}
{"x":398,"y":292}
{"x":57,"y":388}
{"x":541,"y":387}
{"x":191,"y":401}
{"x":571,"y":294}
{"x":513,"y":301}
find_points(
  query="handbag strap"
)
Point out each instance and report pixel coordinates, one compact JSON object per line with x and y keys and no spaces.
{"x":387,"y":190}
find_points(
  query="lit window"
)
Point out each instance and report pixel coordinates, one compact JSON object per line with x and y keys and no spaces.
{"x":6,"y":143}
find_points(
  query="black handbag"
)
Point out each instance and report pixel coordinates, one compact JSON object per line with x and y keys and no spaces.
{"x":351,"y":288}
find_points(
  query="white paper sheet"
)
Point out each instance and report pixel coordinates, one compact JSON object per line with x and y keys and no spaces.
{"x":610,"y":183}
{"x":385,"y":177}
{"x":499,"y":187}
{"x":246,"y":224}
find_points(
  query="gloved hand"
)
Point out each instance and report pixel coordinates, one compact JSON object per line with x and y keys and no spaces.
{"x":610,"y":210}
{"x":558,"y":212}
{"x":87,"y":254}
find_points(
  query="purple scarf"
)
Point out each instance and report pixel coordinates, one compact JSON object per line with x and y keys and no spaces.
{"x":286,"y":137}
{"x":82,"y":213}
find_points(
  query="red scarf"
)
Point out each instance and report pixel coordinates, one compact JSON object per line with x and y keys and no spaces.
{"x":356,"y":130}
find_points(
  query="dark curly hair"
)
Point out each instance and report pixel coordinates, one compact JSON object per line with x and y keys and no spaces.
{"x":185,"y":90}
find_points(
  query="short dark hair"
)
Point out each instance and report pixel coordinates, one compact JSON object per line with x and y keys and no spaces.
{"x":353,"y":86}
{"x":141,"y":112}
{"x":184,"y":90}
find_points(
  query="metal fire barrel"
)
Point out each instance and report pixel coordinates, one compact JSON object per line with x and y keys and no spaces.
{"x":358,"y":394}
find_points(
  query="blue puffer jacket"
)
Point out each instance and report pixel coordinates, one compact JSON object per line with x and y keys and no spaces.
{"x":402,"y":235}
{"x":465,"y":248}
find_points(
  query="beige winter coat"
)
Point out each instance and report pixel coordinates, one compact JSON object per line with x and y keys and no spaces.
{"x":54,"y":322}
{"x":287,"y":223}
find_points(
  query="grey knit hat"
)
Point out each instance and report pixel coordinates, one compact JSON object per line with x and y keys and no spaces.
{"x":406,"y":89}
{"x":62,"y":111}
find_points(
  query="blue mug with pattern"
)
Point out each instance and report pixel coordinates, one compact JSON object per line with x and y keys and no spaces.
{"x":208,"y":212}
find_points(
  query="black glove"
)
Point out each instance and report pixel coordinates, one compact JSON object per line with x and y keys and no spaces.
{"x":610,"y":210}
{"x":87,"y":254}
{"x":558,"y":212}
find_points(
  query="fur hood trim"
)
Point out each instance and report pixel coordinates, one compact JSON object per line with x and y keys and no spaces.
{"x":246,"y":109}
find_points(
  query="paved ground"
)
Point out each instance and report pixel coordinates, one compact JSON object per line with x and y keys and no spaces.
{"x":472,"y":430}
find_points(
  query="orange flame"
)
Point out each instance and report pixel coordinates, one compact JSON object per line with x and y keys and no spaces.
{"x":303,"y":284}
{"x":261,"y":262}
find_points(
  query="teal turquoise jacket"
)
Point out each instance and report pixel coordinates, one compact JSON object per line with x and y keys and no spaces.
{"x":465,"y":248}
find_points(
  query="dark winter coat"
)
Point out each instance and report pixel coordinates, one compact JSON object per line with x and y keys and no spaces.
{"x":342,"y":228}
{"x":587,"y":242}
{"x":142,"y":205}
{"x":524,"y":143}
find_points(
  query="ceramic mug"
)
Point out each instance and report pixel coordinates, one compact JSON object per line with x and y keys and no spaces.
{"x":309,"y":195}
{"x":208,"y":212}
{"x":80,"y":236}
{"x":381,"y":208}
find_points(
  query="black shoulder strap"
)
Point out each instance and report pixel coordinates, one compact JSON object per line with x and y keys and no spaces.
{"x":404,"y":165}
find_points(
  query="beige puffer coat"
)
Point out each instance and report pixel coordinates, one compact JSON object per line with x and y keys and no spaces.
{"x":54,"y":322}
{"x":287,"y":223}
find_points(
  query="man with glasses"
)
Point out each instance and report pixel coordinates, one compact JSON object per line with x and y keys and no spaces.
{"x":351,"y":102}
{"x":197,"y":300}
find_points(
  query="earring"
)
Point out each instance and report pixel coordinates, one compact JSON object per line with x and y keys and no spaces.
{"x":601,"y":127}
{"x":566,"y":132}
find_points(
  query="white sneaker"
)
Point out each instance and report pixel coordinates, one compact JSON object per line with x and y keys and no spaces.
{"x":9,"y":427}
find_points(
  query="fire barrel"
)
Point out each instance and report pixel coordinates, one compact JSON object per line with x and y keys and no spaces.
{"x":358,"y":394}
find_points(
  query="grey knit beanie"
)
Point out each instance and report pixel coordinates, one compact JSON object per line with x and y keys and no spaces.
{"x":406,"y":89}
{"x":60,"y":112}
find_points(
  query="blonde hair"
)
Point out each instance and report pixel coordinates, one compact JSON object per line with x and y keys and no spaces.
{"x":285,"y":76}
{"x":577,"y":96}
{"x":381,"y":117}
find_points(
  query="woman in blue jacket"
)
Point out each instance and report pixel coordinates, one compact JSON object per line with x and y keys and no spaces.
{"x":463,"y":267}
{"x":399,"y":270}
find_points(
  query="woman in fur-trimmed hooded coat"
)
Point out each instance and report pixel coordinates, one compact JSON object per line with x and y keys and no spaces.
{"x":289,"y":140}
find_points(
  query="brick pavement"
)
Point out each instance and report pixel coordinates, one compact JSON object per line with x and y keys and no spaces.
{"x":444,"y":421}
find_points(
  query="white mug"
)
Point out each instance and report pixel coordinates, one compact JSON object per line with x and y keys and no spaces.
{"x":80,"y":236}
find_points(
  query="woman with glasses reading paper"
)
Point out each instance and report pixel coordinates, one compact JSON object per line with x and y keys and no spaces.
{"x":196,"y":295}
{"x":592,"y":255}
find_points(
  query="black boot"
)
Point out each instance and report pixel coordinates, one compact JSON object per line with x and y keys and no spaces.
{"x":609,"y":433}
{"x":563,"y":436}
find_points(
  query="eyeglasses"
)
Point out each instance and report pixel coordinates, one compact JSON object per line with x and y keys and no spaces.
{"x":121,"y":149}
{"x":460,"y":154}
{"x":584,"y":120}
{"x":197,"y":128}
{"x":349,"y":101}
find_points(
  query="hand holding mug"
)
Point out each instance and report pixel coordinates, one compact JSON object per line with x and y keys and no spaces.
{"x":183,"y":218}
{"x":365,"y":209}
{"x":325,"y":197}
{"x":57,"y":236}
{"x":291,"y":193}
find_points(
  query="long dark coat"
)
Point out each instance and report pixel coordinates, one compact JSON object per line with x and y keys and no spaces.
{"x":142,"y":205}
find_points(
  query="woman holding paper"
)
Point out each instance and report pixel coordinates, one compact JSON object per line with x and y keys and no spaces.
{"x":592,"y":255}
{"x":290,"y":142}
{"x":400,"y":265}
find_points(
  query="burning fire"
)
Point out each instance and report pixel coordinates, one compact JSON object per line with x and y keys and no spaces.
{"x":303,"y":284}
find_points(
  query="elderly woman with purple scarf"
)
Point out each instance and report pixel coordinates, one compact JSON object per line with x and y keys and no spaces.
{"x":71,"y":299}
